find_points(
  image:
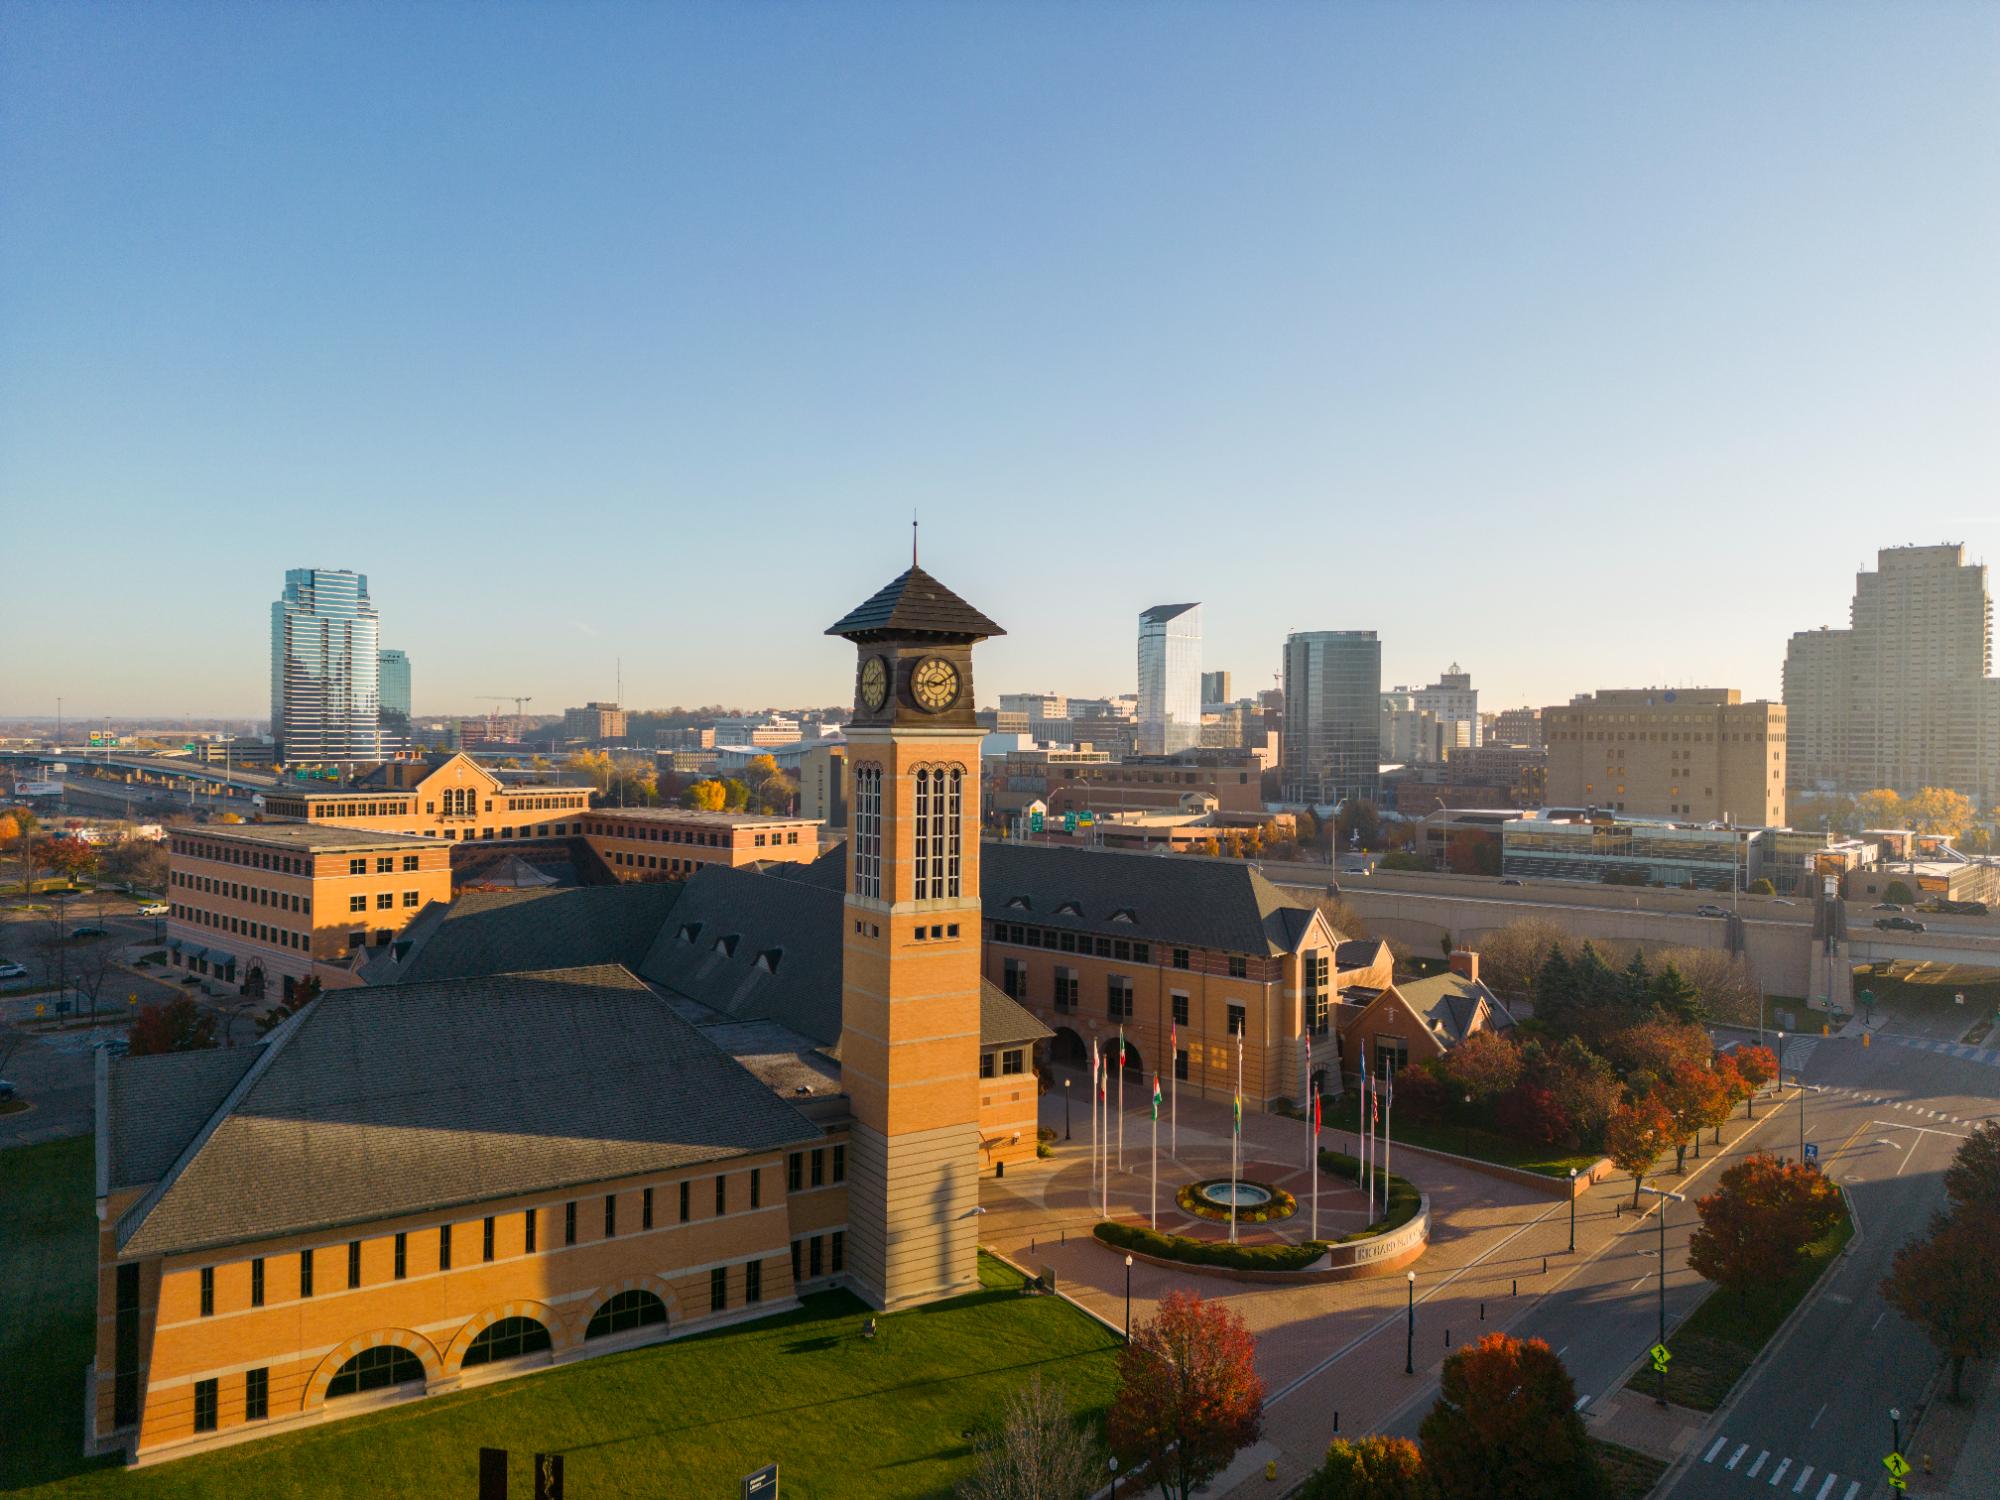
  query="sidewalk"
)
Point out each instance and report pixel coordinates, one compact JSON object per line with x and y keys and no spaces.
{"x":1955,"y":1451}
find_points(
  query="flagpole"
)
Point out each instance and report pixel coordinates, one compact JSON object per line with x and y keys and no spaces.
{"x":1173,"y":1091}
{"x":1312,"y":1128}
{"x":1388,"y":1138}
{"x":1235,"y":1140}
{"x":1153,"y":1198}
{"x":1093,"y":1117}
{"x":1104,"y":1171}
{"x":1121,"y":1096}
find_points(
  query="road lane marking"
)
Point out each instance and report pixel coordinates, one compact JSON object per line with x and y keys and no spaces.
{"x":1779,"y":1472}
{"x":1581,"y":1401}
{"x":1825,"y":1487}
{"x":1715,"y":1448}
{"x":1641,"y":1282}
{"x":1878,"y":1321}
{"x":1804,"y":1474}
{"x":1853,"y":1489}
{"x":1751,"y":1472}
{"x":1737,"y":1456}
{"x":1822,"y":1410}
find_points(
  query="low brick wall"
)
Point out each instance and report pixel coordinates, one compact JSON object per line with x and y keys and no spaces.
{"x":1554,"y":1187}
{"x":1380,"y":1256}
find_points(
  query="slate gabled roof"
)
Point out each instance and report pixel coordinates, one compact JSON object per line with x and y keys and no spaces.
{"x":1003,"y":1022}
{"x":518,"y":932}
{"x":158,"y":1103}
{"x":1453,"y":1006}
{"x":1189,"y":903}
{"x":402,"y":1099}
{"x":915,"y":604}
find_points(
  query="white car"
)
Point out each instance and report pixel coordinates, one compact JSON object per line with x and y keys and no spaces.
{"x":155,"y":909}
{"x":12,"y":971}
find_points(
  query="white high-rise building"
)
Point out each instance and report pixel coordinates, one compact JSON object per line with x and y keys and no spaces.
{"x":1169,"y":679}
{"x":1902,"y":697}
{"x":1454,"y":702}
{"x":326,"y":663}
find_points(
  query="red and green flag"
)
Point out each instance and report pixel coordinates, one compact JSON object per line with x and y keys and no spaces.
{"x":1156,"y":1095}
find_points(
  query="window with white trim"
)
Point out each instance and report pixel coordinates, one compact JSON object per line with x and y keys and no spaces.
{"x":868,"y":831}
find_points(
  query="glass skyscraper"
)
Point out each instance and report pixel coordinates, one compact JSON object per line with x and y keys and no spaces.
{"x":394,"y":671}
{"x":326,"y":664}
{"x":1169,"y":679}
{"x":1333,"y":710}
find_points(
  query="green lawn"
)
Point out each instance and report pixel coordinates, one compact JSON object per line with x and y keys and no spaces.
{"x":1713,"y":1348}
{"x":1482,"y":1145}
{"x":840,"y":1415}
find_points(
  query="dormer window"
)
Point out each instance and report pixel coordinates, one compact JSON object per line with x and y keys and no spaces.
{"x":1069,"y":909}
{"x":1020,"y":903}
{"x":690,"y":932}
{"x":726,"y":946}
{"x":1124,"y":914}
{"x":767,"y":959}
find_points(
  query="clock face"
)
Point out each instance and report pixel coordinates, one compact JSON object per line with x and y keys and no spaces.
{"x":934,"y":684}
{"x":874,"y":683}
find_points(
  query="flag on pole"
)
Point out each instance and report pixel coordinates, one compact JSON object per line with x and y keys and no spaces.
{"x":1156,"y":1095}
{"x":1316,"y":1112}
{"x":1236,"y":1126}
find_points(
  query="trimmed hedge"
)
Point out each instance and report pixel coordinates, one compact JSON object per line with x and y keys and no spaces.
{"x":1403,"y":1198}
{"x":1209,"y":1253}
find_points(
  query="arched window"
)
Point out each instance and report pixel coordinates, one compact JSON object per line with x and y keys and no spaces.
{"x":508,"y":1339}
{"x":633,"y":1309}
{"x":375,"y":1369}
{"x":939,"y":839}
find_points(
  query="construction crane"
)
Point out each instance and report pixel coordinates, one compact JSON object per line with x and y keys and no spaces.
{"x":520,"y":702}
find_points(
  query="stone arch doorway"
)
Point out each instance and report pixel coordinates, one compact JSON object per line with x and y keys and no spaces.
{"x":1066,"y":1049}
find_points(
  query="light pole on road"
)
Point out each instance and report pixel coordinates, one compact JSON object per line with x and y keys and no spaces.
{"x":1665,"y":1196}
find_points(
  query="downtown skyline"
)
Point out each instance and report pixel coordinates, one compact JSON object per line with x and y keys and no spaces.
{"x":565,"y":344}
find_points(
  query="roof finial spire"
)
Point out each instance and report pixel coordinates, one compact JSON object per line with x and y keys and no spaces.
{"x":913,"y":536}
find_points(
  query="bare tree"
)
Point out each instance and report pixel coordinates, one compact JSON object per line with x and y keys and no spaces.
{"x":1341,"y":917}
{"x":11,"y":1038}
{"x":1510,"y":958}
{"x":93,"y":965}
{"x":1725,"y":982}
{"x":1041,"y":1451}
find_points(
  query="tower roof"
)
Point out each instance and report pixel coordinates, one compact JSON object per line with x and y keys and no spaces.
{"x":915,"y":604}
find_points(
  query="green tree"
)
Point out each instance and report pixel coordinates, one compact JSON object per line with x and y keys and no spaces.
{"x":1675,"y":994}
{"x":1899,"y":893}
{"x":1557,"y":996}
{"x":1761,"y":887}
{"x":1370,"y":1468}
{"x":1637,"y":990}
{"x":735,"y":795}
{"x":1505,"y":1426}
{"x":1973,"y":1177}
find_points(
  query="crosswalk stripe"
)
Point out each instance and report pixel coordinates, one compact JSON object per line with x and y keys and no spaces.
{"x":1825,"y":1487}
{"x":1751,"y":1472}
{"x":1779,"y":1472}
{"x":1737,"y":1456}
{"x":1714,"y":1449}
{"x":1853,"y":1489}
{"x":1804,"y":1474}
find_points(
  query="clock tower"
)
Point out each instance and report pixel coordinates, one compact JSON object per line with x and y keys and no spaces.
{"x":910,"y":976}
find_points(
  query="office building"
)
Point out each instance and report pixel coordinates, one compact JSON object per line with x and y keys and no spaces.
{"x":1516,"y":726}
{"x":671,"y":843}
{"x":1169,"y":678}
{"x":1630,"y":851}
{"x":1696,"y":753}
{"x":1453,"y":702}
{"x":1333,"y":711}
{"x":1902,"y":697}
{"x":1215,"y":688}
{"x":1035,"y":706}
{"x":595,"y":723}
{"x":447,"y":796}
{"x":326,"y":664}
{"x":393,"y":673}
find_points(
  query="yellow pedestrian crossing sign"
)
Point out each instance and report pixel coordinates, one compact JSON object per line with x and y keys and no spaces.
{"x":1660,"y":1357}
{"x":1898,"y":1466}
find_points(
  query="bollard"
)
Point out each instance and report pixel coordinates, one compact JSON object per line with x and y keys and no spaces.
{"x":1517,"y":1287}
{"x":1271,"y":1469}
{"x":1545,"y":1265}
{"x":1447,"y":1338}
{"x":1482,"y":1312}
{"x":1336,"y":1419}
{"x":1065,"y":1236}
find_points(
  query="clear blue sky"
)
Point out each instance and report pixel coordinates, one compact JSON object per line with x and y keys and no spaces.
{"x":1588,"y":344}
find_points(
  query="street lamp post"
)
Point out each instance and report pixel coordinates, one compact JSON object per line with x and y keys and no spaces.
{"x":1665,"y":1196}
{"x":1466,"y":1137}
{"x":1128,"y":1299}
{"x":1066,"y":1130}
{"x":1572,"y":1210}
{"x":1410,"y":1339}
{"x":1895,"y":1429}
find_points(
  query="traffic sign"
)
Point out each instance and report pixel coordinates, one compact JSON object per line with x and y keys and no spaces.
{"x":1035,"y":822}
{"x":1661,"y":1354}
{"x":1812,"y":1151}
{"x":1898,"y":1466}
{"x":1069,"y":822}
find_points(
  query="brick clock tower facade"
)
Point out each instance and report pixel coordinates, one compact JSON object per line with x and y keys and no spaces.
{"x":910,"y":975}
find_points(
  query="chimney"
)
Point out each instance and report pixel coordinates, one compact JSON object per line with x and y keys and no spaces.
{"x":1465,"y":964}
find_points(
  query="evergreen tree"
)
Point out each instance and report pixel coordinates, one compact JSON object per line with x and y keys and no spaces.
{"x":1674,"y":993}
{"x":1556,"y":992}
{"x":1638,"y":982}
{"x":1597,"y":984}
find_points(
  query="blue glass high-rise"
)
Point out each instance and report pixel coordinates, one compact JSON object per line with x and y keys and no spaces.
{"x":326,"y":699}
{"x":1169,"y":679}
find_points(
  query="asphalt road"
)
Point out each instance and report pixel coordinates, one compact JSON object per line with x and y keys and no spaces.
{"x":1813,"y":1419}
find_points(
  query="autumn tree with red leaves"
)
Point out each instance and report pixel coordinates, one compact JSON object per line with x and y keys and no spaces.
{"x":1756,"y":1225}
{"x":178,"y":1026}
{"x":1974,"y":1174}
{"x":1637,"y":1134}
{"x":1189,"y":1396}
{"x":1945,"y":1285}
{"x":1693,"y":1096}
{"x":1758,"y":1065}
{"x":1735,"y":1086}
{"x":1505,"y":1426}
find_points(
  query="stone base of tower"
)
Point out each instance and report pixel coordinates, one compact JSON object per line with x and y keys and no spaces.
{"x":912,"y":1214}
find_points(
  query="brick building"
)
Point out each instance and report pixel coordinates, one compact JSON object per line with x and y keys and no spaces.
{"x":654,"y":843}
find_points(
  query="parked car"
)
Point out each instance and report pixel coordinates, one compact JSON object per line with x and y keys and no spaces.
{"x":155,"y":909}
{"x":1899,"y":924}
{"x":1708,"y":910}
{"x":115,"y":1046}
{"x":90,"y":930}
{"x":12,"y":971}
{"x":1887,"y":906}
{"x":1510,"y":880}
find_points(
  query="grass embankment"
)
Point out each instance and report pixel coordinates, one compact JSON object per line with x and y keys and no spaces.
{"x":841,"y":1415}
{"x":1629,"y":1474}
{"x":1713,"y":1348}
{"x":1480,"y":1145}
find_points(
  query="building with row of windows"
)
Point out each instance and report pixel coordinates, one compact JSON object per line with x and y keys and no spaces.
{"x":1696,"y":753}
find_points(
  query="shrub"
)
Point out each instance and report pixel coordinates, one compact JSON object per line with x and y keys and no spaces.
{"x":1762,"y":888}
{"x":1899,"y":893}
{"x":1044,"y":1150}
{"x":1531,"y":1113}
{"x":1403,"y":1198}
{"x":1209,"y":1253}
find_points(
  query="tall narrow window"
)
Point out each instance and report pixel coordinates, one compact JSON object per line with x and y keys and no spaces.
{"x":486,"y":1240}
{"x":610,"y":1215}
{"x":257,"y":1282}
{"x":402,"y":1255}
{"x":646,"y":1209}
{"x":208,"y":1291}
{"x":684,"y":1202}
{"x":953,"y":830}
{"x":204,"y":1405}
{"x":444,"y":1247}
{"x":921,"y":846}
{"x":569,"y":1222}
{"x":256,"y":1395}
{"x":125,"y":1388}
{"x":528,"y":1222}
{"x":721,"y":1194}
{"x":353,"y":1264}
{"x":868,"y":831}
